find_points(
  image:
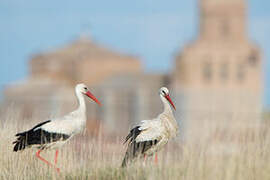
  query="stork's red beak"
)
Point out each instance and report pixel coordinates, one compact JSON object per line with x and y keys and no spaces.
{"x":90,"y":95}
{"x":170,"y":101}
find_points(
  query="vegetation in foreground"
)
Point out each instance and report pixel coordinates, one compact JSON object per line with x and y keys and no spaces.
{"x":99,"y":158}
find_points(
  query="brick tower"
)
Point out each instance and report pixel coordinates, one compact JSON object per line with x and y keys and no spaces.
{"x":218,"y":77}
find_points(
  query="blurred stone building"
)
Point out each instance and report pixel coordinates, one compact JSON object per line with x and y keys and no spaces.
{"x":116,"y":79}
{"x":216,"y":81}
{"x":218,"y":77}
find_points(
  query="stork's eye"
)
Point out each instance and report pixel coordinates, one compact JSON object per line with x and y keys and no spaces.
{"x":85,"y":88}
{"x":163,"y":92}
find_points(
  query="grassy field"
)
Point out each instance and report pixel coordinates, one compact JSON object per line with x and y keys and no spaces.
{"x":98,"y":158}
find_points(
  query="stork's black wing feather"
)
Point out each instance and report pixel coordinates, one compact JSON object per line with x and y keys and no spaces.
{"x":37,"y":136}
{"x":38,"y":125}
{"x":136,"y":149}
{"x":133,"y":134}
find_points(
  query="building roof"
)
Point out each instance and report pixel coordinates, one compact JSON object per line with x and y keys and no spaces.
{"x":134,"y":80}
{"x":80,"y":48}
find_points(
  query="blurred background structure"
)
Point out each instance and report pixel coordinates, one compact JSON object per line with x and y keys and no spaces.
{"x":216,"y":80}
{"x":218,"y":77}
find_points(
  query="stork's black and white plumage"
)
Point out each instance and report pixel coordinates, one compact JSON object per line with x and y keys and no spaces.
{"x":151,"y":135}
{"x":54,"y":133}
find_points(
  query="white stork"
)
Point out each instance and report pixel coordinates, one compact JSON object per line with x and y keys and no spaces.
{"x":151,"y":135}
{"x":54,"y":133}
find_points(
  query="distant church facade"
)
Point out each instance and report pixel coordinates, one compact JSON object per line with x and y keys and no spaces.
{"x":216,"y":80}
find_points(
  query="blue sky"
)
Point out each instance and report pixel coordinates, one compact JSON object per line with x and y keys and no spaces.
{"x":152,"y":29}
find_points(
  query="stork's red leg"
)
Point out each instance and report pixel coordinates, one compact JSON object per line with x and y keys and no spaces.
{"x":145,"y":158}
{"x":44,"y":160}
{"x":55,"y":157}
{"x":156,"y":158}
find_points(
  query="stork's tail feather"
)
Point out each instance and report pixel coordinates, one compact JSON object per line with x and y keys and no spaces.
{"x":26,"y":138}
{"x":137,"y":150}
{"x":20,"y":143}
{"x":131,"y":154}
{"x":133,"y":151}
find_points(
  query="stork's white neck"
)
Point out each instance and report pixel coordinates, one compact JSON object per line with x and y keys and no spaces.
{"x":81,"y":101}
{"x":166,"y":105}
{"x":168,"y":116}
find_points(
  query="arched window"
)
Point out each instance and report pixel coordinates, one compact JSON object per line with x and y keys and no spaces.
{"x":224,"y":71}
{"x":240,"y":72}
{"x":207,"y":71}
{"x":253,"y":58}
{"x":224,"y":27}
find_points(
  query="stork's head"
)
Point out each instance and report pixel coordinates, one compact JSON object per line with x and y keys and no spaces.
{"x":164,"y":92}
{"x":82,"y":88}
